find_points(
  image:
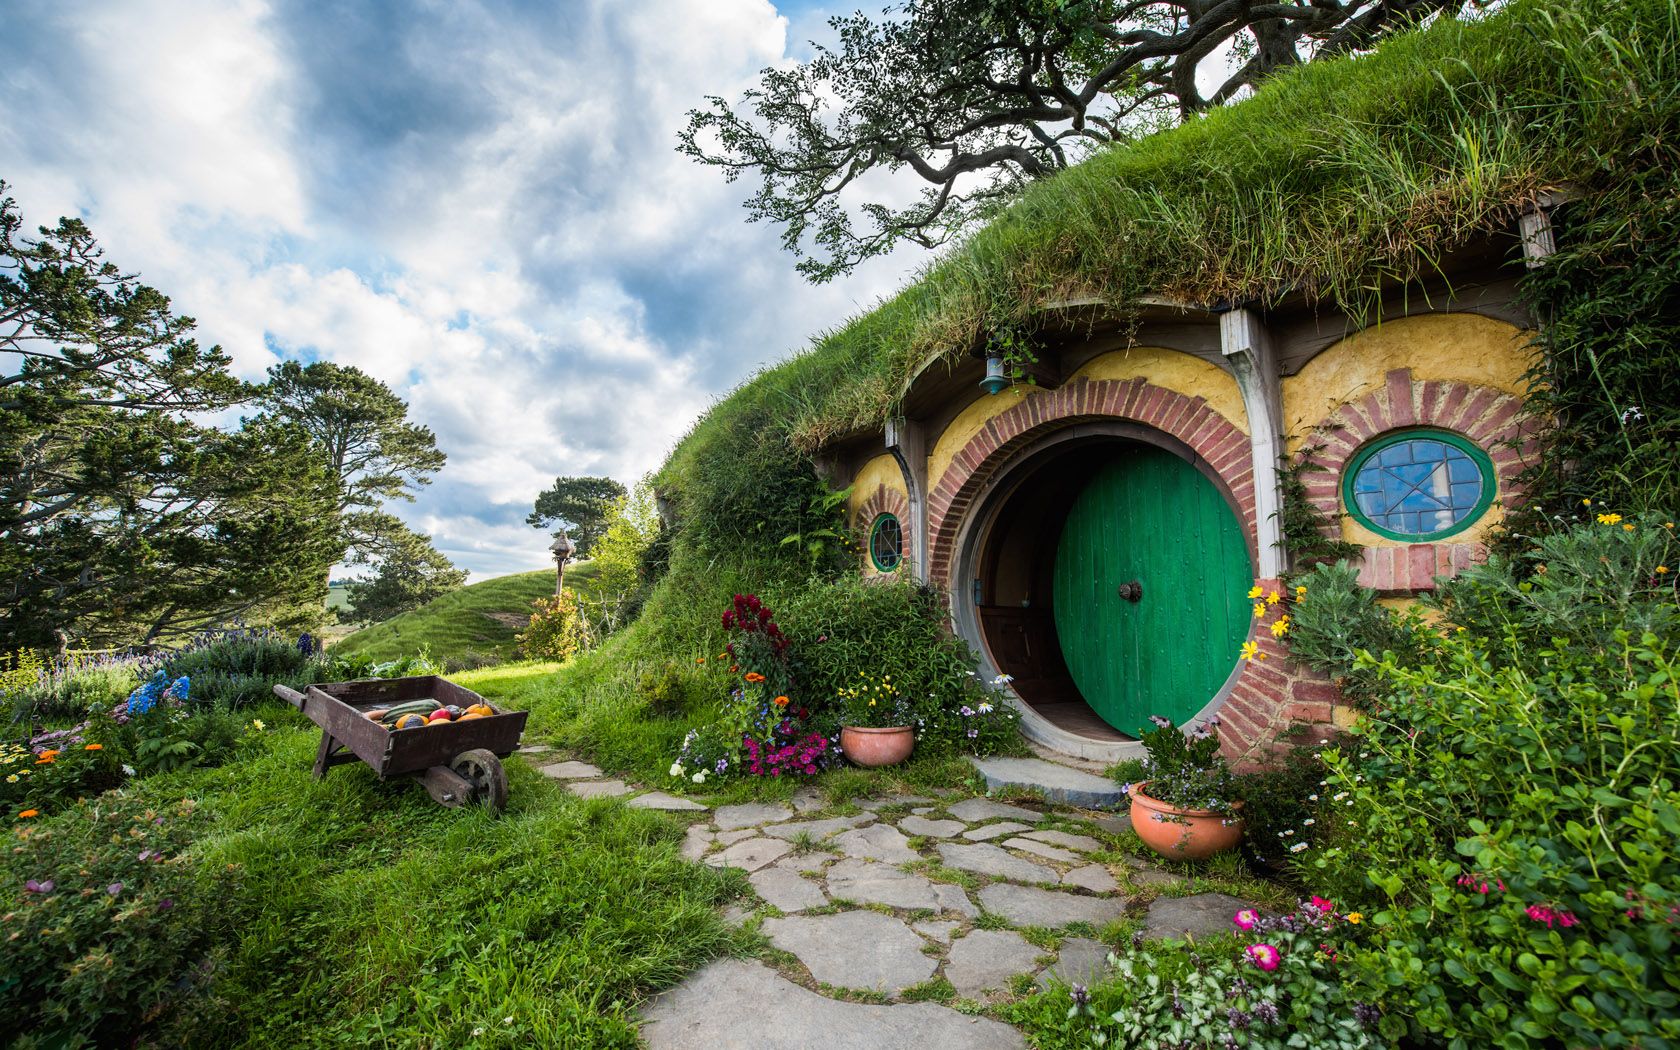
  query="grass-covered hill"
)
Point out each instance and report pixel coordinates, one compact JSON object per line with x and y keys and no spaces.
{"x":477,"y":621}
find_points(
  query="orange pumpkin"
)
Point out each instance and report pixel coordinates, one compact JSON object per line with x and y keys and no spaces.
{"x":469,"y":716}
{"x":481,"y":710}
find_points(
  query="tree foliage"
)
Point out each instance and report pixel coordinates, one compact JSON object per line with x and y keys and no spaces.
{"x":123,"y":516}
{"x":979,"y":97}
{"x":581,"y":506}
{"x":361,"y":432}
{"x":411,"y":573}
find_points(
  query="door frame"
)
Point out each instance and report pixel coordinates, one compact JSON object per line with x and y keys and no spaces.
{"x":975,"y":532}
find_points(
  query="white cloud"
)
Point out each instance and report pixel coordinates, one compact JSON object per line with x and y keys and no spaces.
{"x":485,"y":210}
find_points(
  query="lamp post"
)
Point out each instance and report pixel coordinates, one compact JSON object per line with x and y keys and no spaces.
{"x":563,"y":549}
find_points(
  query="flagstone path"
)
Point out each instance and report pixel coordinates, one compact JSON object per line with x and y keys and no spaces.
{"x":873,"y":905}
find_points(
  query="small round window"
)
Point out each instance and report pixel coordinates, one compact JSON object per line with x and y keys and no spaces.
{"x":1419,"y":485}
{"x":886,"y":543}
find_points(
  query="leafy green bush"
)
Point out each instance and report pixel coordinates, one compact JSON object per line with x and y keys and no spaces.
{"x":1508,"y":812}
{"x":59,"y":767}
{"x":1332,"y":619}
{"x":238,"y":669}
{"x":1274,"y":985}
{"x":106,"y":923}
{"x":558,"y":629}
{"x":854,"y":628}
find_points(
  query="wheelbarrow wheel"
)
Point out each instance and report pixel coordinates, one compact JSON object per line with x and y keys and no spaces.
{"x":484,"y":771}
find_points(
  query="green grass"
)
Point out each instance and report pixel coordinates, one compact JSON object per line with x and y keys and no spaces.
{"x":338,"y":598}
{"x":368,"y":915}
{"x":473,"y":622}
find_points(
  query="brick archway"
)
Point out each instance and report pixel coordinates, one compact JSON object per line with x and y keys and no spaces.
{"x":1490,"y":418}
{"x":882,"y":501}
{"x":1212,"y":438}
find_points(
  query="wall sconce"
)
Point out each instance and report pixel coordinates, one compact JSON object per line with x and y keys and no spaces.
{"x":995,"y":381}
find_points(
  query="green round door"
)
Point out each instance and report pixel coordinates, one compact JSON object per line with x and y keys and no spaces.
{"x":1151,"y":576}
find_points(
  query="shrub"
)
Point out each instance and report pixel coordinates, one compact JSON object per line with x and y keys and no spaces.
{"x":1332,"y":619}
{"x":1276,"y":985}
{"x":56,"y":768}
{"x":106,"y":923}
{"x":558,"y":629}
{"x":1508,"y":813}
{"x":236,"y":669}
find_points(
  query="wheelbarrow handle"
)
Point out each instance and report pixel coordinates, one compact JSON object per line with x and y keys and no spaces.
{"x":290,"y":695}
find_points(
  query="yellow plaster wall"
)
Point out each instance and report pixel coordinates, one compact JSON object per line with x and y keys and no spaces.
{"x":882,"y":470}
{"x":1468,"y":348}
{"x":1169,"y":369}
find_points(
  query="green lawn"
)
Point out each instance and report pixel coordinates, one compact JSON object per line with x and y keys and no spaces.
{"x":480,"y":620}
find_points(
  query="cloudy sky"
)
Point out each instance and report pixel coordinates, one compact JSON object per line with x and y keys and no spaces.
{"x":479,"y":203}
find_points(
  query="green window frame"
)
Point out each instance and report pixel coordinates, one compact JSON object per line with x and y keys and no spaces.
{"x":1351,"y":486}
{"x":886,"y":548}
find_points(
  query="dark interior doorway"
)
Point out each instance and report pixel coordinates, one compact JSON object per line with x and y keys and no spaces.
{"x":1014,"y":581}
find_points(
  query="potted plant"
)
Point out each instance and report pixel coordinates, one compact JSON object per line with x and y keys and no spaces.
{"x":876,"y":724}
{"x":1186,"y":807}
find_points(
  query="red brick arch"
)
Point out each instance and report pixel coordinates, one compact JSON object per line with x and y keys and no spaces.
{"x":1491,"y":418}
{"x":1209,"y":435}
{"x":882,"y":501}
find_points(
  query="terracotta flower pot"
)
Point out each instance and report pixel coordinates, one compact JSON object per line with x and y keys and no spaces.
{"x":877,"y":747}
{"x":1183,"y":834}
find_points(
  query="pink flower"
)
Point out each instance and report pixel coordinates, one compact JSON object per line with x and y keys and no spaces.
{"x":1323,"y":905}
{"x":1246,"y":919}
{"x":1264,"y":956}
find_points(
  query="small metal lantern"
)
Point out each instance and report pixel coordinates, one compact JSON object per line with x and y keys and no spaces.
{"x":995,"y":380}
{"x":562,"y":548}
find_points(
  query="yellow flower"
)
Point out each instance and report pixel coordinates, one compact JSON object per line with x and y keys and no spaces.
{"x":1251,"y":651}
{"x":1273,"y":598}
{"x":1609,"y":519}
{"x":1355,"y":918}
{"x":12,"y":779}
{"x":1300,"y":592}
{"x":26,"y":814}
{"x":1256,"y":591}
{"x":1259,"y":610}
{"x":1662,"y":568}
{"x":1586,"y":503}
{"x":1627,"y":528}
{"x":1280,"y":628}
{"x":259,"y":723}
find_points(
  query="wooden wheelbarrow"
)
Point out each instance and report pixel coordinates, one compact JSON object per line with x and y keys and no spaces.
{"x":460,"y":762}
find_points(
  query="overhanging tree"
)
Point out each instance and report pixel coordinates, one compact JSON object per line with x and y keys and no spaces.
{"x":582,"y":506}
{"x":979,"y":97}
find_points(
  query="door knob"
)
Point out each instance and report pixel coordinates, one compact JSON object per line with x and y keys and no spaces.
{"x":1132,"y":592}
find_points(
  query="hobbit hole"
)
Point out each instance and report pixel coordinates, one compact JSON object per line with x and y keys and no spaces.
{"x":1094,"y":532}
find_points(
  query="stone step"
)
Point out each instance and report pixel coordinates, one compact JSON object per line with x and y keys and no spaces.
{"x":1058,"y":783}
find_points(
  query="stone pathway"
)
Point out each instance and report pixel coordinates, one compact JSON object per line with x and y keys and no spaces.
{"x":888,"y":900}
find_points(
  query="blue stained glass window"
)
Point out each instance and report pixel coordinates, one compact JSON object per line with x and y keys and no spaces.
{"x":1420,"y":485}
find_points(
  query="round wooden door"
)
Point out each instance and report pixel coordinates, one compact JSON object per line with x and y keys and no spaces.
{"x":1151,"y":576}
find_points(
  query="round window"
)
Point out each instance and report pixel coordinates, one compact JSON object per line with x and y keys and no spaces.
{"x":886,"y":543}
{"x":1418,"y":485}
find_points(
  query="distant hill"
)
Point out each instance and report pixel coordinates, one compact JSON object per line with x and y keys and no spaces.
{"x":480,"y":620}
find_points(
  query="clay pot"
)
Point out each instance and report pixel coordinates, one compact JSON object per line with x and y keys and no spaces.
{"x":1183,"y":834}
{"x":877,"y":747}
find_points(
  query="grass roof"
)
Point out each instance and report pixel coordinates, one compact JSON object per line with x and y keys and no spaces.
{"x":1335,"y":179}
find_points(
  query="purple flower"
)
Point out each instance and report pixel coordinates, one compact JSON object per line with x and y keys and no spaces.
{"x":114,"y":888}
{"x":165,"y":904}
{"x":967,"y":712}
{"x":145,"y":855}
{"x":972,"y":733}
{"x":1081,"y":995}
{"x":45,"y":886}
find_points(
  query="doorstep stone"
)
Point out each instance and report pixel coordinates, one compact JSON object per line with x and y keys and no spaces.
{"x":1058,"y":782}
{"x":876,"y":842}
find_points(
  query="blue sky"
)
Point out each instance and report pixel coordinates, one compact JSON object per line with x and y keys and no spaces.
{"x":478,"y":203}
